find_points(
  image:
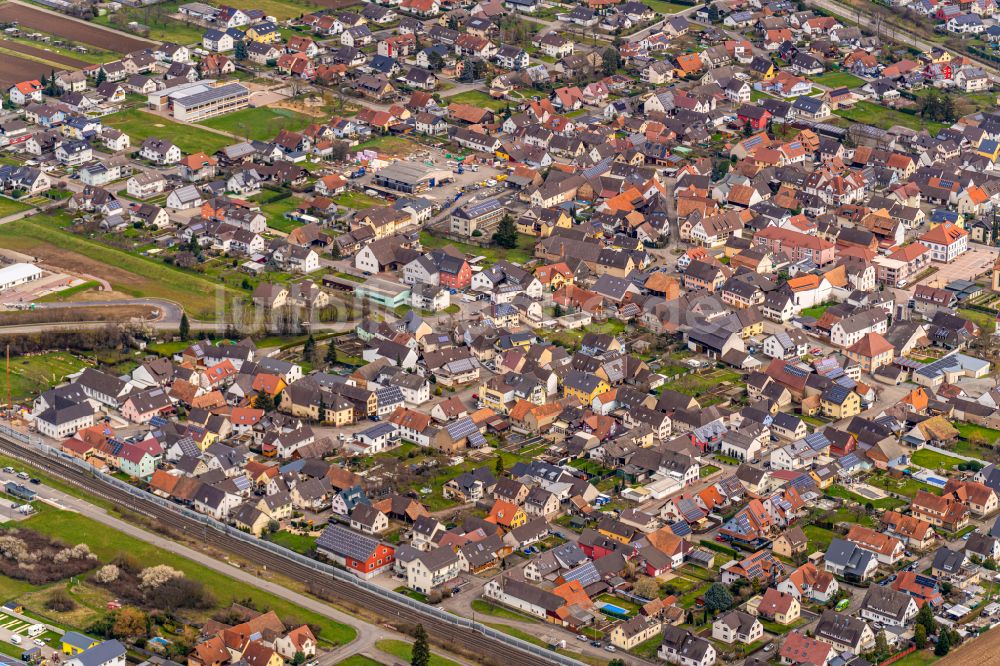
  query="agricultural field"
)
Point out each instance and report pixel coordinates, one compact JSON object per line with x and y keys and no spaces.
{"x":14,"y":69}
{"x":140,"y":125}
{"x":65,"y":48}
{"x":41,"y":55}
{"x":71,"y":29}
{"x":129,"y":273}
{"x":260,"y":124}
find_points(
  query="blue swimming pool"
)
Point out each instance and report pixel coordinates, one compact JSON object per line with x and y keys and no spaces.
{"x":611,"y":609}
{"x":158,"y":640}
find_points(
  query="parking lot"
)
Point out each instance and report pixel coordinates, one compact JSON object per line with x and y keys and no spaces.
{"x":978,"y":260}
{"x":48,"y":640}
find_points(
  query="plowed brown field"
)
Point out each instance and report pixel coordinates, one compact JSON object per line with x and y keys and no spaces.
{"x":71,"y":29}
{"x":36,"y":52}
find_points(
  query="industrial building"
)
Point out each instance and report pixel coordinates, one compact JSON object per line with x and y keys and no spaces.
{"x":15,"y":274}
{"x":411,"y":177}
{"x":191,"y":102}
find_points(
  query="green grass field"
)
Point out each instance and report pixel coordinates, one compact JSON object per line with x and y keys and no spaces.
{"x":402,"y":650}
{"x":819,"y":538}
{"x":260,"y":124}
{"x":31,"y":375}
{"x":300,"y":543}
{"x":982,"y":319}
{"x":838,"y":80}
{"x":880,"y":116}
{"x":107,"y":543}
{"x":140,"y":125}
{"x":163,"y":29}
{"x":358,"y":660}
{"x":970,"y":431}
{"x":357,"y":200}
{"x":933,"y":460}
{"x":666,"y":7}
{"x":139,"y":276}
{"x":391,"y":145}
{"x":815,"y":311}
{"x":9,"y":206}
{"x":65,"y":294}
{"x":476,"y":98}
{"x":884,"y":503}
{"x":520,"y":255}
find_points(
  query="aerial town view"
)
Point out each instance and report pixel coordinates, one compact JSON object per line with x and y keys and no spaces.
{"x":499,"y":332}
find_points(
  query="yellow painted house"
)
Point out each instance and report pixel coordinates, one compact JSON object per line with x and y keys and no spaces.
{"x":74,"y":643}
{"x":583,"y":386}
{"x":265,"y":33}
{"x":840,"y":403}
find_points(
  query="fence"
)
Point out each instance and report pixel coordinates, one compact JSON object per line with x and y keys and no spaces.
{"x":394,"y":597}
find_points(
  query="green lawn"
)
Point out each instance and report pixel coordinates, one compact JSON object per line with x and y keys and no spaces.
{"x":31,"y":375}
{"x":357,"y":200}
{"x":780,"y":629}
{"x":42,"y":235}
{"x":918,"y":658}
{"x":847,"y":516}
{"x":982,"y":319}
{"x":275,"y":211}
{"x":520,"y":255}
{"x":477,"y":98}
{"x":884,"y":118}
{"x":402,"y":650}
{"x":816,"y":311}
{"x":300,"y":543}
{"x":64,"y":294}
{"x":140,"y":125}
{"x":260,"y":124}
{"x":707,"y":470}
{"x":392,"y":145}
{"x":837,"y":80}
{"x":168,"y":348}
{"x":970,"y":431}
{"x":884,"y":503}
{"x":358,"y":660}
{"x":933,"y":460}
{"x":486,"y":608}
{"x":9,"y":206}
{"x":906,"y":486}
{"x":664,"y":7}
{"x":819,"y":538}
{"x":108,"y":543}
{"x":698,"y":384}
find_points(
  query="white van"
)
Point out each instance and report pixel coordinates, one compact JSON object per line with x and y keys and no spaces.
{"x":36,"y":630}
{"x":15,"y":639}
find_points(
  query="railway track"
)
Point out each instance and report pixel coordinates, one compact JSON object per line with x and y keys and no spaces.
{"x":490,"y":650}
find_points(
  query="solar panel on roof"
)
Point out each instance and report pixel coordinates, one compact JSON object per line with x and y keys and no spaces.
{"x":463,"y":427}
{"x":586,"y":574}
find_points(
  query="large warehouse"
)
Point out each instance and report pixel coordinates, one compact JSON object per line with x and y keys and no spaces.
{"x":15,"y":274}
{"x":411,"y":177}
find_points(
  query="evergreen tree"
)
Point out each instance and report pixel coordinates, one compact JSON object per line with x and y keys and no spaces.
{"x":421,"y":655}
{"x":881,"y":646}
{"x":920,"y":636}
{"x":309,"y":349}
{"x":241,"y":50}
{"x":101,"y":77}
{"x":263,"y":401}
{"x":185,"y":328}
{"x":331,"y":354}
{"x":612,"y":61}
{"x":925,"y":617}
{"x":499,"y":467}
{"x":943,"y":645}
{"x":506,"y":234}
{"x":557,"y":310}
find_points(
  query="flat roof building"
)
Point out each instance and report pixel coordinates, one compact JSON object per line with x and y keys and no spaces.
{"x":15,"y":274}
{"x":192,"y":102}
{"x":410,"y":177}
